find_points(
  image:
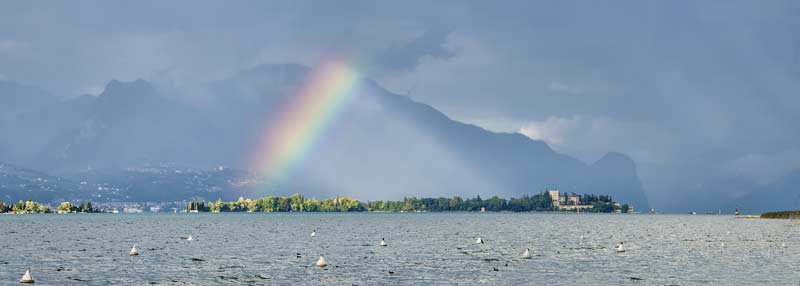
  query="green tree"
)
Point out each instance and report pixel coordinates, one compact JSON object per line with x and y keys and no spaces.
{"x":65,"y":207}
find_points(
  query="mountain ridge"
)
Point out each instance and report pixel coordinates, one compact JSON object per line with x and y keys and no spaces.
{"x":381,"y":144}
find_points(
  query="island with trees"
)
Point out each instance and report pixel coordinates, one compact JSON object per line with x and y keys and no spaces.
{"x":31,"y":207}
{"x":542,"y":202}
{"x":298,"y":203}
{"x":781,"y":215}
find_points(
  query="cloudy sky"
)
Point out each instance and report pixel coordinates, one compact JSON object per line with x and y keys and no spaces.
{"x":683,"y":87}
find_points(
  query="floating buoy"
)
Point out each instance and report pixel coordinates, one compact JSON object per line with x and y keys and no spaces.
{"x":526,"y":254}
{"x":134,"y":252}
{"x":383,"y":242}
{"x":479,"y":240}
{"x":27,"y":278}
{"x":321,"y":262}
{"x":620,"y":248}
{"x":189,"y":238}
{"x":314,"y":233}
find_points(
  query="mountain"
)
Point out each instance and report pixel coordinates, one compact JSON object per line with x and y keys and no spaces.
{"x":148,"y":183}
{"x":130,"y":123}
{"x":15,"y":99}
{"x":379,"y":145}
{"x":145,"y":183}
{"x":17,"y":183}
{"x":616,"y":174}
{"x":507,"y":164}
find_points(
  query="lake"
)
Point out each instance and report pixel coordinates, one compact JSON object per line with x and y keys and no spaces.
{"x":423,"y":249}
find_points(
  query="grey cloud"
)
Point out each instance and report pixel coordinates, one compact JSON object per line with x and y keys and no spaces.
{"x":407,"y":56}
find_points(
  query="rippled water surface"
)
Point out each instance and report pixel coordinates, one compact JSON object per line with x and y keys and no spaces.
{"x":424,"y":249}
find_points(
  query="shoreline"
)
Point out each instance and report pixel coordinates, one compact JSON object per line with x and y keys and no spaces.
{"x":390,"y":212}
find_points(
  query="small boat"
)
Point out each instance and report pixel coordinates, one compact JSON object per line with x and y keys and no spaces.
{"x":479,"y":240}
{"x":526,"y":254}
{"x":321,"y":262}
{"x":189,"y":238}
{"x":383,"y":242}
{"x":619,"y":248}
{"x":314,"y":233}
{"x":27,"y":278}
{"x":134,"y":252}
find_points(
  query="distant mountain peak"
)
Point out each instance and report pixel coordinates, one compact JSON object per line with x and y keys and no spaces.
{"x":617,"y":159}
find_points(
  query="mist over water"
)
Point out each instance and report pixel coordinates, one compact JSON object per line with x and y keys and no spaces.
{"x":423,"y":248}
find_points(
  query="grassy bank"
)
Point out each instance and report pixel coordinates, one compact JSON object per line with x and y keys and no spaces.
{"x":782,"y":215}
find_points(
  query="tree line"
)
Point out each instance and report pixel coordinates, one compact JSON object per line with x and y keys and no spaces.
{"x":31,"y":207}
{"x":68,"y":207}
{"x":298,"y":203}
{"x":782,"y":215}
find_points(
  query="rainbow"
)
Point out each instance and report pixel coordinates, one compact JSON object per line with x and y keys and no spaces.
{"x":292,"y":135}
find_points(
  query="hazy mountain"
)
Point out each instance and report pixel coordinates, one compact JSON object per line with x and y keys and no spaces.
{"x":33,"y":130}
{"x":386,"y":145}
{"x":147,"y":183}
{"x":166,"y":183}
{"x":379,"y":145}
{"x":17,"y":183}
{"x":130,"y":123}
{"x":616,"y":174}
{"x":782,"y":194}
{"x":15,"y":99}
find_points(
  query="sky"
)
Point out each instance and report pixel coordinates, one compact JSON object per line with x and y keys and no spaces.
{"x":693,"y":91}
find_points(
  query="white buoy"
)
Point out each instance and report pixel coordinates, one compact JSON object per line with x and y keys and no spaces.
{"x":27,"y":278}
{"x":134,"y":252}
{"x":581,"y":237}
{"x":314,"y":233}
{"x":479,"y":240}
{"x":189,"y":238}
{"x":620,"y":248}
{"x":321,"y":262}
{"x":383,"y":242}
{"x":526,"y":254}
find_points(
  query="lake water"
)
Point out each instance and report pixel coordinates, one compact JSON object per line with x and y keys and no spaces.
{"x":424,"y":249}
